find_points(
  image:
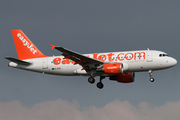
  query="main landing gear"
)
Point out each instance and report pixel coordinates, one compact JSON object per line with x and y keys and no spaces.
{"x":150,"y":74}
{"x":91,"y":80}
{"x":99,"y":84}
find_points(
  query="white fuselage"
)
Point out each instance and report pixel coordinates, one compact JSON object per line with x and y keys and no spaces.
{"x":133,"y":61}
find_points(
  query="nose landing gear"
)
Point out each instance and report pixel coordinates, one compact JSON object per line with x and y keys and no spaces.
{"x":150,"y":74}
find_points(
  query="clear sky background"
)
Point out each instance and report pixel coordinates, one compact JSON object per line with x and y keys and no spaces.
{"x":90,"y":26}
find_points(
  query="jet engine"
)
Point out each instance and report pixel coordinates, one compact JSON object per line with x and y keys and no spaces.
{"x":123,"y":78}
{"x":113,"y":68}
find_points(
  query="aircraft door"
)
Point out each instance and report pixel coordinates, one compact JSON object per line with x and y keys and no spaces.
{"x":149,"y":56}
{"x":45,"y":63}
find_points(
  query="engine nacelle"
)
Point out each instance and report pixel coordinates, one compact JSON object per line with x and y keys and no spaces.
{"x":111,"y":68}
{"x":124,"y":78}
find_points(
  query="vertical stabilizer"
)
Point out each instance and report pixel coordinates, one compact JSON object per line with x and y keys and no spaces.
{"x":25,"y":48}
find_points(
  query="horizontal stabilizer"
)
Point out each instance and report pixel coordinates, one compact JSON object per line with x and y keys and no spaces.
{"x":20,"y":62}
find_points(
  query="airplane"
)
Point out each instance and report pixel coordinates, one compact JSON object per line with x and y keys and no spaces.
{"x":118,"y":66}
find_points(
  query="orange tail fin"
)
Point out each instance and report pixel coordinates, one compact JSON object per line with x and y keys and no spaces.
{"x":25,"y":48}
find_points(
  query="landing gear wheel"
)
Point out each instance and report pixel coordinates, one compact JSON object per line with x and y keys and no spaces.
{"x":152,"y":79}
{"x":91,"y":80}
{"x":100,"y":85}
{"x":150,"y":74}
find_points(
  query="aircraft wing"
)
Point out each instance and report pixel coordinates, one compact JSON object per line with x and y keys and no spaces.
{"x":78,"y":58}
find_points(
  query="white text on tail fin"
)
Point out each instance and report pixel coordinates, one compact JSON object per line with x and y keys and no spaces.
{"x":25,"y":48}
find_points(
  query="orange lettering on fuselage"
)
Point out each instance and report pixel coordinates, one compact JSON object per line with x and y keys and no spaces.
{"x":130,"y":58}
{"x":119,"y":56}
{"x":66,"y":61}
{"x":102,"y":58}
{"x":107,"y":57}
{"x":57,"y":61}
{"x":139,"y":55}
{"x":110,"y":56}
{"x":95,"y":56}
{"x":72,"y":62}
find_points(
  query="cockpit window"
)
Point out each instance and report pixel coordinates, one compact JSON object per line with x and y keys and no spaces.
{"x":163,"y":55}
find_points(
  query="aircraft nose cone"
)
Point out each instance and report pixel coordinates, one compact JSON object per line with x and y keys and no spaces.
{"x":174,"y":62}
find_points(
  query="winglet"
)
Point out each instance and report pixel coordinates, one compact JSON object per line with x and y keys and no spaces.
{"x":52,"y":46}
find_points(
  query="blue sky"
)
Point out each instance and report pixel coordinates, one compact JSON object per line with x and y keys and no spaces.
{"x":90,"y":27}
